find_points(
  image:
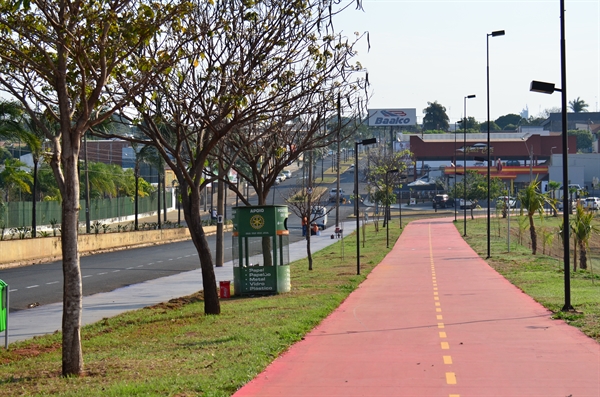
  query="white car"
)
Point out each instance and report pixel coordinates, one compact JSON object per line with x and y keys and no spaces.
{"x":592,"y":203}
{"x":512,"y":202}
{"x":320,"y":217}
{"x":287,"y":173}
{"x":470,"y":204}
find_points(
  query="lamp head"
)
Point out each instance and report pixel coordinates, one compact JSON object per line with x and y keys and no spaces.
{"x":497,"y":33}
{"x":540,"y":86}
{"x":470,"y":96}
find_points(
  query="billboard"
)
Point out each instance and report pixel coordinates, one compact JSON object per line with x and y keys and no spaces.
{"x":392,"y":117}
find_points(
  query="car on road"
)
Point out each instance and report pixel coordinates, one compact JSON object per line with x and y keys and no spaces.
{"x":282,"y":176}
{"x":469,"y":204}
{"x":333,"y":195}
{"x":513,"y":163}
{"x":319,"y":214}
{"x":287,"y":173}
{"x":560,"y":206}
{"x":442,"y":201}
{"x":511,"y":201}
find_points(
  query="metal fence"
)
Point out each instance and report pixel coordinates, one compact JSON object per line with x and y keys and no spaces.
{"x":19,"y":214}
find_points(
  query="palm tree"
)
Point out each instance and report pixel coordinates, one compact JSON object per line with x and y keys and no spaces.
{"x":552,"y":187}
{"x":533,"y":201}
{"x":582,"y":229}
{"x":578,"y":105}
{"x":13,"y":176}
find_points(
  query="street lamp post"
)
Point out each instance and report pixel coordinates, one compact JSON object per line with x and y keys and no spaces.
{"x":455,"y":165}
{"x":387,"y":202}
{"x":487,"y":43}
{"x":465,"y":162}
{"x":549,"y":88}
{"x":369,"y":141}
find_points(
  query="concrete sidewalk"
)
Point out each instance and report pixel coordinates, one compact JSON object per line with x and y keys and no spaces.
{"x":433,"y":319}
{"x":47,"y":319}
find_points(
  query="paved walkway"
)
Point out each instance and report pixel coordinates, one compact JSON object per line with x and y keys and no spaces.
{"x":25,"y":324}
{"x":433,"y":319}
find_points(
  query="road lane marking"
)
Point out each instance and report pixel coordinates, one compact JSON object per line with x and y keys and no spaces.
{"x":129,"y":268}
{"x":439,"y":309}
{"x":32,"y":286}
{"x":448,"y":360}
{"x":12,"y":290}
{"x":52,"y":282}
{"x":141,"y":266}
{"x":89,"y":275}
{"x":445,"y":346}
{"x":116,"y":271}
{"x":442,"y":335}
{"x":101,"y":274}
{"x":439,"y":317}
{"x":450,"y":378}
{"x":437,"y":303}
{"x":440,"y":325}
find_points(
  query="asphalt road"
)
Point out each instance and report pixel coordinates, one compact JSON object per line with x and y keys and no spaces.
{"x":43,"y":283}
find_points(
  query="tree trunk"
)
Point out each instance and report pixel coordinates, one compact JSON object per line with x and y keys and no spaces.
{"x":308,"y":252}
{"x":34,"y":201}
{"x":220,"y":255}
{"x":191,"y":212}
{"x":72,"y":356}
{"x":574,"y":253}
{"x":533,"y":235}
{"x":582,"y":255}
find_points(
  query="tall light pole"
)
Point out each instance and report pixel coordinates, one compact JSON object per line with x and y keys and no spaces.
{"x":487,"y":46}
{"x":465,"y":162}
{"x":455,"y":165}
{"x":369,"y":141}
{"x":387,"y":202}
{"x":548,"y":88}
{"x":530,"y":153}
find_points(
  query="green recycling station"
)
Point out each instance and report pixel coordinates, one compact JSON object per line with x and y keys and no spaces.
{"x":261,"y":259}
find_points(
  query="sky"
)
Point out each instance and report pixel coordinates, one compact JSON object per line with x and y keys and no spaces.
{"x":424,"y":51}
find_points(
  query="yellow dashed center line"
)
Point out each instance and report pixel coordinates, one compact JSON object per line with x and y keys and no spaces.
{"x":450,"y":376}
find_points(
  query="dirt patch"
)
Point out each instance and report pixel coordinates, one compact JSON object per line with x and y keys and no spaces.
{"x":32,"y":350}
{"x":177,"y":303}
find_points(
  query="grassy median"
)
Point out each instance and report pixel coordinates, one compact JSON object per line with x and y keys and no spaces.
{"x":541,"y":276}
{"x":173,"y":349}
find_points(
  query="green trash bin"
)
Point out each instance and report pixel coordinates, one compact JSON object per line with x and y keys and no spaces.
{"x":3,"y":305}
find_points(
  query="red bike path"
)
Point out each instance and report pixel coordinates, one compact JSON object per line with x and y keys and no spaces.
{"x":433,"y":319}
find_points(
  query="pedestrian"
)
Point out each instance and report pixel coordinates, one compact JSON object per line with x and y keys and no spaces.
{"x":304,"y":225}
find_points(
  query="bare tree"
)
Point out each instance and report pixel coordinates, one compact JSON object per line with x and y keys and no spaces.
{"x":301,"y":202}
{"x":72,"y":58}
{"x":251,"y":62}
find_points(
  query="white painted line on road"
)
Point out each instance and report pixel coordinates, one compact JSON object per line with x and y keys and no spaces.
{"x":151,"y":263}
{"x":159,"y":261}
{"x":32,"y":286}
{"x":12,"y":290}
{"x":116,"y":271}
{"x":89,"y":275}
{"x":129,"y":268}
{"x":171,"y":259}
{"x":180,"y":257}
{"x":187,"y":256}
{"x":101,"y":274}
{"x":141,"y":266}
{"x":52,"y":282}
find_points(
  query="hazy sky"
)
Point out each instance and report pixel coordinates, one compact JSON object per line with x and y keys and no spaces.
{"x":424,"y":51}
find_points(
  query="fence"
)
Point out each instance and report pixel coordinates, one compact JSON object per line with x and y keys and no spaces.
{"x":19,"y":214}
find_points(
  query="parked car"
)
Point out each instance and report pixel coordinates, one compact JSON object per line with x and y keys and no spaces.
{"x":469,"y":204}
{"x":281,"y":176}
{"x":592,"y":203}
{"x":287,"y":173}
{"x":513,"y":163}
{"x":321,"y":217}
{"x":511,"y":201}
{"x":442,"y":201}
{"x":559,"y":205}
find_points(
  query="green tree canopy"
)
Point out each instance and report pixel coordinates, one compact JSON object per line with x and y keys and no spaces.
{"x":507,"y":119}
{"x":584,"y":139}
{"x":493,"y":126}
{"x":435,"y":117}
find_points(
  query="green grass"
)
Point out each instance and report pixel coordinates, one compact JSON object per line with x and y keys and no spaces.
{"x":541,"y":276}
{"x":173,"y":349}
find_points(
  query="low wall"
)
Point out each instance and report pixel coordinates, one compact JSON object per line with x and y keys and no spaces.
{"x":46,"y":249}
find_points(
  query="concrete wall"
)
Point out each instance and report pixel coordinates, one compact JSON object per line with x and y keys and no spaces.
{"x":36,"y":250}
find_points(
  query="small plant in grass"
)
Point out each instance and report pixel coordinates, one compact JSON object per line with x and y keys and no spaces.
{"x":54,"y":224}
{"x":105,"y":228}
